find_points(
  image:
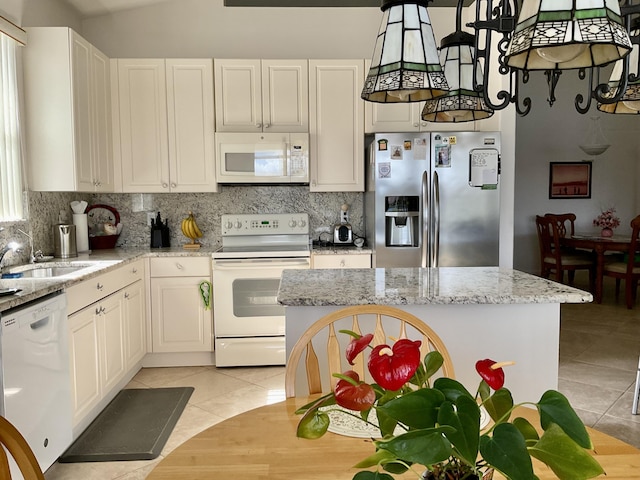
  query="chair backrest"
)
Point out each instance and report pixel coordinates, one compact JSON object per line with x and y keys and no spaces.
{"x":548,"y":238}
{"x":361,"y":319}
{"x":17,"y":446}
{"x":633,"y":261}
{"x":565,"y":223}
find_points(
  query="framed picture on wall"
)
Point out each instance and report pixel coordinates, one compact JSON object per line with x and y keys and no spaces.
{"x":570,"y":180}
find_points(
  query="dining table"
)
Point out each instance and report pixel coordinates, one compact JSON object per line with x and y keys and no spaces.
{"x":261,"y":444}
{"x":600,"y":246}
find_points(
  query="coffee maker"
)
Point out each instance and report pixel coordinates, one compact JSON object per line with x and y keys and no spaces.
{"x":342,"y":232}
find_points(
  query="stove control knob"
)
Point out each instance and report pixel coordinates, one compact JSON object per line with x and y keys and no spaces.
{"x":302,"y":223}
{"x":229,"y":225}
{"x":292,"y":223}
{"x":238,"y":224}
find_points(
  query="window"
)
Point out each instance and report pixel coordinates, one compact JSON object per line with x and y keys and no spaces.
{"x":11,"y":207}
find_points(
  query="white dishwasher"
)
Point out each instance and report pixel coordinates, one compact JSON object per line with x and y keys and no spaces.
{"x":35,"y":376}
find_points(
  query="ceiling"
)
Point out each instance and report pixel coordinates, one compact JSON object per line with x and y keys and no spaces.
{"x":89,"y":8}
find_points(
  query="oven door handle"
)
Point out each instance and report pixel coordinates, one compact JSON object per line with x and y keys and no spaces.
{"x":249,"y":265}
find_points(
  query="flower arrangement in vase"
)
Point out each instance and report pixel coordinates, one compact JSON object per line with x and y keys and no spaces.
{"x":437,"y":426}
{"x":607,"y":221}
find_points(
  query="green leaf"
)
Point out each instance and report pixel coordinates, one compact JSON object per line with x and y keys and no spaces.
{"x":432,"y":362}
{"x":451,"y":389}
{"x":465,"y":418}
{"x":498,"y":404}
{"x":313,"y":424}
{"x":372,"y":476}
{"x":327,"y":399}
{"x":417,"y":409}
{"x":506,"y":452}
{"x":484,"y":390}
{"x":567,"y":459}
{"x":527,"y":430}
{"x":380,"y":457}
{"x":426,"y":447}
{"x":555,"y":408}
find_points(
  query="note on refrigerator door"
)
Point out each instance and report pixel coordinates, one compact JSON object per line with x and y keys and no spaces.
{"x":484,"y":167}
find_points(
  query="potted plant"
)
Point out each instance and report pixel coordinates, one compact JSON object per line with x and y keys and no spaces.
{"x":439,"y":434}
{"x":607,"y":221}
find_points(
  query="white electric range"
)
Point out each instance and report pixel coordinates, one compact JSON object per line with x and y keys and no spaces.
{"x":249,"y":323}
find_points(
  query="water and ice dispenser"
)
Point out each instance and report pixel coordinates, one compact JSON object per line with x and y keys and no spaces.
{"x":402,"y":221}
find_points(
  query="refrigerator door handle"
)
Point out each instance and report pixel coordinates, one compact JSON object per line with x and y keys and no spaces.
{"x":426,"y":237}
{"x":435,"y":252}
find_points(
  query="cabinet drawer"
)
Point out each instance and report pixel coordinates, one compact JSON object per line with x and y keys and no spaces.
{"x":180,"y":267}
{"x":92,"y":290}
{"x":342,"y":261}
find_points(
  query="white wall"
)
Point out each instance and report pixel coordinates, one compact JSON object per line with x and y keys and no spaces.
{"x":40,"y":13}
{"x":552,"y":134}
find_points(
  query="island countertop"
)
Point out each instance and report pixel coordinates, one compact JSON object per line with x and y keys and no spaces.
{"x":422,"y":286}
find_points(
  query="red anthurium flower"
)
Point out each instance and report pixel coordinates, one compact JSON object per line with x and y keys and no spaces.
{"x":357,"y":345}
{"x":354,"y":397}
{"x":491,"y":372}
{"x":392,"y":367}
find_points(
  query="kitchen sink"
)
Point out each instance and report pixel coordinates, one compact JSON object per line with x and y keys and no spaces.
{"x":47,"y":270}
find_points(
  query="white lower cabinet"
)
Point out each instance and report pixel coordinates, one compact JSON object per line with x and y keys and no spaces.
{"x":179,"y":320}
{"x":107,"y":338}
{"x":341,"y":261}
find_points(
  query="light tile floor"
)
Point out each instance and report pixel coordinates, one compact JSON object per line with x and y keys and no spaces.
{"x":599,"y":349}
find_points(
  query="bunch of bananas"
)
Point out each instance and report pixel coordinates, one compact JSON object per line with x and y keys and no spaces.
{"x":190,"y":228}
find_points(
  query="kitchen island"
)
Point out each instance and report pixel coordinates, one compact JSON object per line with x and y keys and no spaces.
{"x":479,"y":312}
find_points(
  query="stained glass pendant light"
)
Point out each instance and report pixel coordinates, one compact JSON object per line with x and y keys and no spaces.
{"x":629,"y":103}
{"x":405,"y":65}
{"x":462,"y":103}
{"x":566,"y":34}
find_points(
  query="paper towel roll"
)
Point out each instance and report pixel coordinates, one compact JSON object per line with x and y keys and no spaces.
{"x":82,"y":231}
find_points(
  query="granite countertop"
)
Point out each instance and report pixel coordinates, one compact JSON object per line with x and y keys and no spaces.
{"x":32,"y":289}
{"x":421,"y":286}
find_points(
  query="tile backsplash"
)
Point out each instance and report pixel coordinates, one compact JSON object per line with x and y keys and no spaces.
{"x":45,"y":208}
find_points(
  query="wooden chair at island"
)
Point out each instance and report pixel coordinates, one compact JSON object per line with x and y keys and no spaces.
{"x":553,"y":258}
{"x":628,"y":270}
{"x":14,"y":443}
{"x":322,"y":336}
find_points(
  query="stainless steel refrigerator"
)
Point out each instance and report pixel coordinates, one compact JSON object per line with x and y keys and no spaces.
{"x":433,"y":199}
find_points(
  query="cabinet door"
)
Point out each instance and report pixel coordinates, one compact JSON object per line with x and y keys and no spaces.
{"x":101,"y":138}
{"x":83,"y":358}
{"x":135,"y":345}
{"x":143,"y":125}
{"x":190,"y":125}
{"x":179,"y":321}
{"x":81,"y":61}
{"x":285,"y":96}
{"x":392,"y":117}
{"x":110,"y":319}
{"x":238,"y":94}
{"x":336,"y":124}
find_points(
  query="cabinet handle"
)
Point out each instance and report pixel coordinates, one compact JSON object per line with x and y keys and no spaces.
{"x":179,"y":266}
{"x":165,"y":185}
{"x":174,"y":185}
{"x":126,"y":295}
{"x":258,"y":125}
{"x":98,"y":183}
{"x":342,"y":263}
{"x":416,"y":124}
{"x":99,"y":286}
{"x":266,"y":125}
{"x":134,"y":271}
{"x":100,"y":310}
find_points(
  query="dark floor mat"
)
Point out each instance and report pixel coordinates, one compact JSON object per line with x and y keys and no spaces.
{"x":134,"y":426}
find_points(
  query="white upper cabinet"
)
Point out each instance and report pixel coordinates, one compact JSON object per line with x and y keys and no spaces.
{"x":67,"y":113}
{"x":262,"y":95}
{"x":336,"y":125}
{"x":164,"y":128}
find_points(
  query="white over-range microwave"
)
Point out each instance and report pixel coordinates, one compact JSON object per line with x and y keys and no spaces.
{"x":267,"y":158}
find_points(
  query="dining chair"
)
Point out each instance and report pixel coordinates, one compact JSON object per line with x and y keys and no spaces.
{"x":555,"y":259}
{"x":14,"y":443}
{"x":322,"y":337}
{"x":629,"y":269}
{"x":565,"y":223}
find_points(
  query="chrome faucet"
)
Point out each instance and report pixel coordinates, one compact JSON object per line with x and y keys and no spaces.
{"x":32,"y":258}
{"x":9,"y":247}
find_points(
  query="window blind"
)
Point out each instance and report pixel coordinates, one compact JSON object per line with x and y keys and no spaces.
{"x":11,"y":207}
